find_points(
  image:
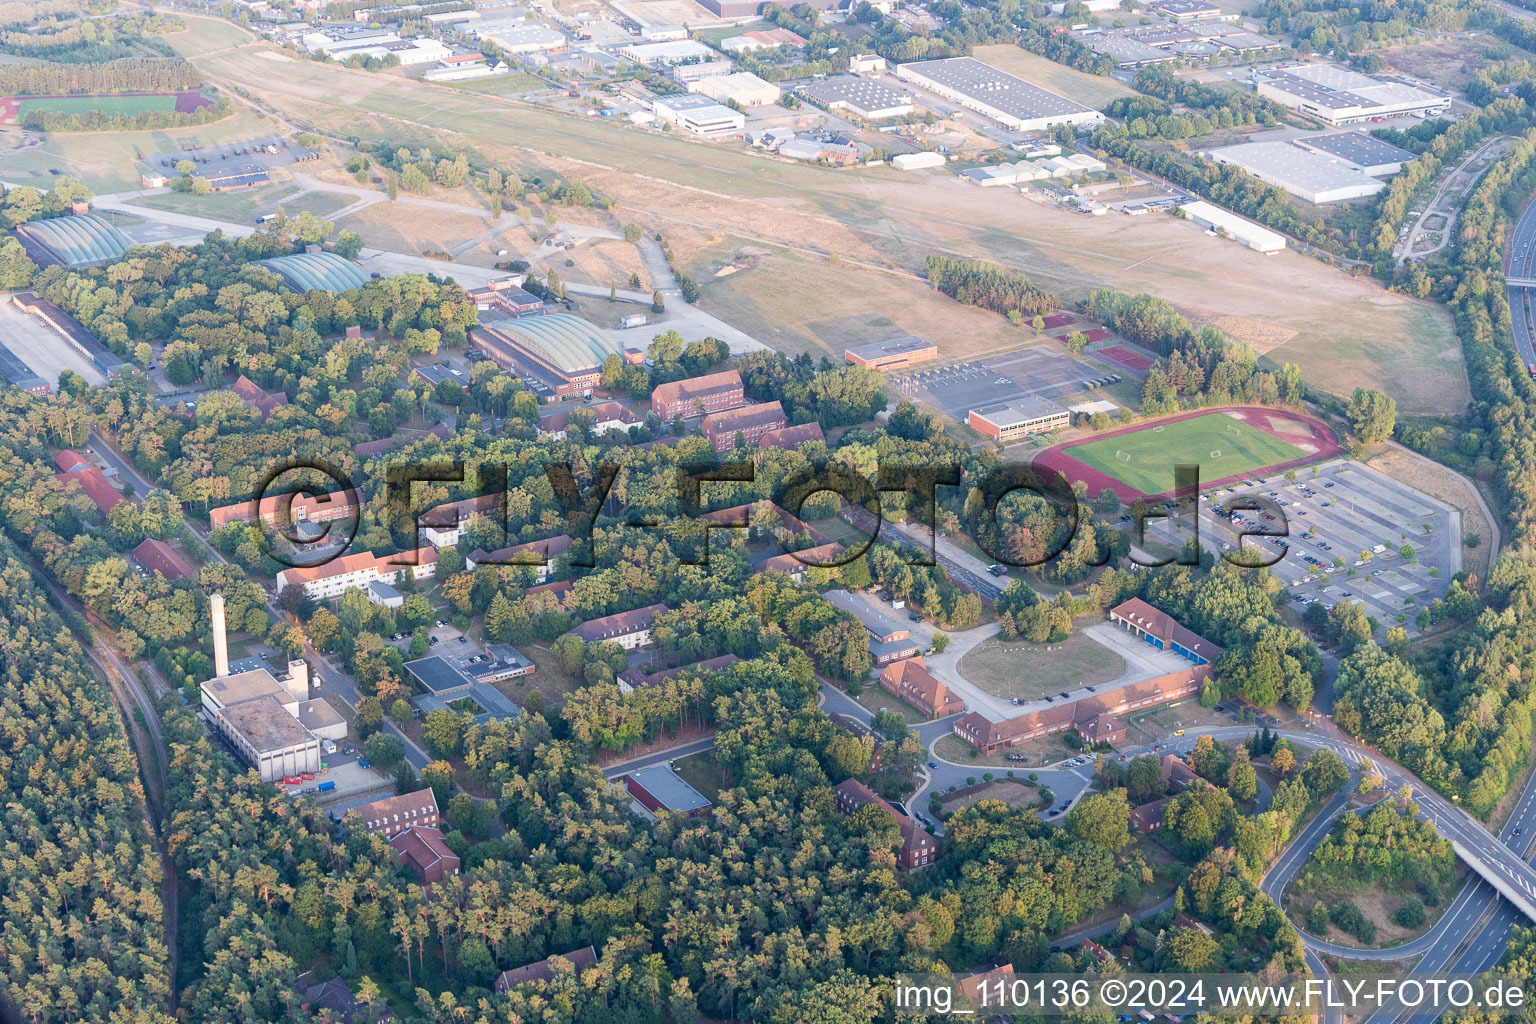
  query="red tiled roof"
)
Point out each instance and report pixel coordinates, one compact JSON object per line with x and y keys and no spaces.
{"x":355,"y":563}
{"x":102,"y":494}
{"x":548,"y":548}
{"x":602,"y":412}
{"x":1162,"y":625}
{"x":423,"y":846}
{"x":718,"y":424}
{"x":304,"y":507}
{"x":799,"y":561}
{"x":157,"y":556}
{"x":790,"y":438}
{"x":911,"y":681}
{"x":695,"y":387}
{"x":456,"y":512}
{"x":67,"y":461}
{"x":256,"y":398}
{"x":621,"y":624}
{"x":390,"y":808}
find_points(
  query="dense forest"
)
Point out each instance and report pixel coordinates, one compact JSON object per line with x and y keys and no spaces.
{"x":47,"y":78}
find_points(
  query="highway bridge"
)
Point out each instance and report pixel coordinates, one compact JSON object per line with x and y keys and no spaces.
{"x":1520,"y":282}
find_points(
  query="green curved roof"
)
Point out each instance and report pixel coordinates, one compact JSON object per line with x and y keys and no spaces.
{"x":317,"y":271}
{"x":562,"y":339}
{"x":78,"y":240}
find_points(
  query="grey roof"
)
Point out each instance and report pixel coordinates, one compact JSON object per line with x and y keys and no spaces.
{"x":886,"y":648}
{"x":562,"y":339}
{"x":78,"y":240}
{"x":861,"y":95}
{"x":1338,"y":88}
{"x":668,"y":787}
{"x":438,"y":675}
{"x":17,"y":372}
{"x":317,"y":271}
{"x":1125,"y":50}
{"x":875,"y":622}
{"x":1020,"y":410}
{"x":1357,"y":148}
{"x":894,"y":346}
{"x":1293,"y":168}
{"x":317,"y":713}
{"x":384,"y":591}
{"x":266,"y":725}
{"x":998,"y":89}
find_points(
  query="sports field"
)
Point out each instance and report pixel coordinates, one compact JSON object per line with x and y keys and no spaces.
{"x":111,"y":104}
{"x":1222,"y":446}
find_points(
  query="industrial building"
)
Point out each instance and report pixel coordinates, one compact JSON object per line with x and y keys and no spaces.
{"x":333,"y":578}
{"x":742,"y":88}
{"x":1012,"y":102}
{"x":659,"y":788}
{"x":273,"y":724}
{"x":1214,"y":218}
{"x":1363,"y":152}
{"x":380,"y":47}
{"x":917,"y":161}
{"x":771,"y":39}
{"x":749,"y":421}
{"x":73,"y":331}
{"x":894,"y":354}
{"x":519,"y":37}
{"x":672,"y":52}
{"x":683,"y":74}
{"x":1340,"y":96}
{"x":316,"y":271}
{"x":698,"y":114}
{"x":862,"y":97}
{"x":562,"y":352}
{"x":1190,"y":10}
{"x":77,"y":240}
{"x":1314,"y":177}
{"x":1198,"y":39}
{"x":1006,"y":421}
{"x":19,"y":375}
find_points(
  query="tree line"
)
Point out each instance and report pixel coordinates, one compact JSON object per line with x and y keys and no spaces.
{"x":136,"y":74}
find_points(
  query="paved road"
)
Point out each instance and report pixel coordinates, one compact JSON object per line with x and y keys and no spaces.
{"x":1522,"y":301}
{"x":660,"y":757}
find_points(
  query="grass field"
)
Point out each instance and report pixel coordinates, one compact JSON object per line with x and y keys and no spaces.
{"x":1021,"y":669}
{"x":83,"y":104}
{"x":1223,"y":447}
{"x":501,"y":85}
{"x":239,"y":206}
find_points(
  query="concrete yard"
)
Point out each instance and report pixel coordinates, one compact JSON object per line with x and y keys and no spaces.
{"x":1032,"y":372}
{"x":42,"y":348}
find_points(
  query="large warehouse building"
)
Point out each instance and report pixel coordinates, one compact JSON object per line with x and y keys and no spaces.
{"x":1314,"y":177}
{"x":316,"y":271}
{"x":1341,"y":96}
{"x":81,"y":240}
{"x":1214,"y":218}
{"x":862,"y":97}
{"x":560,"y":351}
{"x":1361,"y":151}
{"x":1012,"y":102}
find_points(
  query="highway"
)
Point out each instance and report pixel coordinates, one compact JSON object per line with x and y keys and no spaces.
{"x":1522,"y":301}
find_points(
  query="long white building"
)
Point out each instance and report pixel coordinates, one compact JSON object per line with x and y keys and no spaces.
{"x":700,"y":115}
{"x":1010,"y":101}
{"x":1340,"y":96}
{"x":331,"y":580}
{"x":1214,"y":218}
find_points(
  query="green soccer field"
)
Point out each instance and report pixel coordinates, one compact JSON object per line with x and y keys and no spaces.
{"x":82,"y":104}
{"x":1145,"y":459}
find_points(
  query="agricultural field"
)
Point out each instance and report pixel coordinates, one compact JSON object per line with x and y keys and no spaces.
{"x":500,"y":85}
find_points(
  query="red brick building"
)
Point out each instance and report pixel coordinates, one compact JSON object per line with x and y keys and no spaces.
{"x":423,"y":850}
{"x":92,"y":481}
{"x":1149,"y":817}
{"x":894,"y":354}
{"x":394,"y":814}
{"x":791,"y":438}
{"x":910,"y":681}
{"x":713,"y":392}
{"x":918,"y":848}
{"x":751,"y":421}
{"x":301,"y":508}
{"x":158,"y":556}
{"x":253,"y":397}
{"x":1096,"y":718}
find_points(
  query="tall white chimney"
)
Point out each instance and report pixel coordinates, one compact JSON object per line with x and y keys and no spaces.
{"x":220,"y":639}
{"x":297,"y":682}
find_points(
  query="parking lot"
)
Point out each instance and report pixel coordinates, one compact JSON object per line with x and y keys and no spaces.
{"x":43,"y":349}
{"x":1345,"y":531}
{"x":1030,"y":372}
{"x":268,"y":152}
